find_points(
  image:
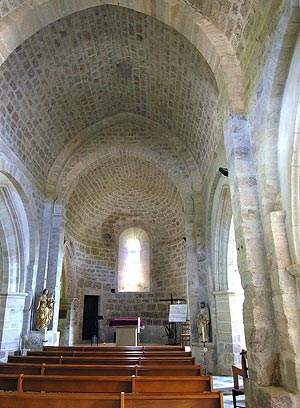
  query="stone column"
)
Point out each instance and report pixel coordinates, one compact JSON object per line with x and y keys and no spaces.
{"x":55,"y":257}
{"x":66,"y":322}
{"x":49,"y":268}
{"x":294,"y":270}
{"x":225,"y":331}
{"x":11,"y":310}
{"x":260,"y":330}
{"x":285,"y":300}
{"x":196,"y":290}
{"x":44,"y":246}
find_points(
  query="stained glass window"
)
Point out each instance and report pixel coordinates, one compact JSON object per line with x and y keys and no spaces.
{"x":133,"y":261}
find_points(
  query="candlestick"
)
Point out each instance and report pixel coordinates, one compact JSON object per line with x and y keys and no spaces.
{"x":203,"y":335}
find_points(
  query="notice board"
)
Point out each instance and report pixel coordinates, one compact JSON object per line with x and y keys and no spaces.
{"x":178,"y":313}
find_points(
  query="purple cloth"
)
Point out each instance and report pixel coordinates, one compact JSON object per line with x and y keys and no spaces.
{"x":126,"y":321}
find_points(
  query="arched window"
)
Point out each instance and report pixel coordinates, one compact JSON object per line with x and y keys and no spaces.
{"x":228,"y":292}
{"x":133,"y":261}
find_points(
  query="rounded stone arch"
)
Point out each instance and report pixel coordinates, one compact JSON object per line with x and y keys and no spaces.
{"x":68,"y":277}
{"x":18,"y":234}
{"x":61,"y":171}
{"x":289,"y":154}
{"x":221,"y":220}
{"x":210,"y":42}
{"x":228,"y":329}
{"x":23,"y":192}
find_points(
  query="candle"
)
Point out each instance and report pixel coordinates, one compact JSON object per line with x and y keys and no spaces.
{"x":139,"y":324}
{"x":203,"y":335}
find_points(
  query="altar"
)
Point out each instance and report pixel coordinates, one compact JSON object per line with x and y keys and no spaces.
{"x":127,"y":330}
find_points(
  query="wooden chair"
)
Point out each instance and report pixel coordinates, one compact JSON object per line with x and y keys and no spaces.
{"x":239,"y":370}
{"x":186,"y":334}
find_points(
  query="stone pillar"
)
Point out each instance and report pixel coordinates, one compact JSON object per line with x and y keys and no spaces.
{"x":11,"y":310}
{"x":294,"y":270}
{"x":49,"y":268}
{"x":66,"y":322}
{"x":225,"y":331}
{"x":44,"y":247}
{"x":196,"y":290}
{"x":285,"y":300}
{"x":55,"y":257}
{"x":260,"y":330}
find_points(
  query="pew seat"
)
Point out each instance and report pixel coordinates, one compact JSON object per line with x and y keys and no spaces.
{"x":70,"y":400}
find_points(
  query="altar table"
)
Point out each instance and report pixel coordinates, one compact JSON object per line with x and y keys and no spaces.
{"x":127,"y":330}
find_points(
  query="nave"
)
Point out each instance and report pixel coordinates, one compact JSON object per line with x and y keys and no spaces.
{"x":70,"y":376}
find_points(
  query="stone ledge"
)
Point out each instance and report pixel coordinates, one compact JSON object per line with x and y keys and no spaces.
{"x":275,"y":397}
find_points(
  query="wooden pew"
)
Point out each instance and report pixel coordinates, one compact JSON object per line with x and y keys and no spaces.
{"x":171,"y":384}
{"x":203,"y":400}
{"x":106,"y":384}
{"x":114,"y":348}
{"x":167,"y":361}
{"x":169,"y":370}
{"x":239,"y":370}
{"x":72,"y":369}
{"x":51,"y":383}
{"x":106,"y":354}
{"x":78,"y":400}
{"x":102,"y":361}
{"x":83,"y":370}
{"x":20,"y":368}
{"x":55,"y":400}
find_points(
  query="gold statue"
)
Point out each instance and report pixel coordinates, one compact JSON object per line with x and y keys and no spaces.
{"x":203,"y":322}
{"x":45,"y":309}
{"x":50,"y":306}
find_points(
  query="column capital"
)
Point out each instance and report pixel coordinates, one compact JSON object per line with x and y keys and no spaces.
{"x":294,"y":270}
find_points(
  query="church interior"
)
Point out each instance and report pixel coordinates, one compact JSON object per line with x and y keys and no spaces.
{"x":149,"y":157}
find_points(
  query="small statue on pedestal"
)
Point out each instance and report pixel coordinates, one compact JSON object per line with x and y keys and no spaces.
{"x":203,"y":323}
{"x":45,"y":311}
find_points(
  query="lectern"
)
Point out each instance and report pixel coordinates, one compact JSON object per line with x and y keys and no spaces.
{"x":127,"y":330}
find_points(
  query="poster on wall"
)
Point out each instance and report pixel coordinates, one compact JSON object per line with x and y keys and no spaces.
{"x":178,"y":313}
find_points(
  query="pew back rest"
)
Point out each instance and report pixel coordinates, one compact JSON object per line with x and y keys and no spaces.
{"x":169,"y":370}
{"x":168,"y":384}
{"x":84,"y":370}
{"x":58,"y":400}
{"x":16,"y":368}
{"x":240,"y":369}
{"x":171,"y":384}
{"x":81,"y":384}
{"x":70,"y":400}
{"x":100,"y":370}
{"x":102,"y":361}
{"x":204,"y":400}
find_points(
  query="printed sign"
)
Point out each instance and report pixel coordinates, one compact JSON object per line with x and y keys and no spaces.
{"x":178,"y":313}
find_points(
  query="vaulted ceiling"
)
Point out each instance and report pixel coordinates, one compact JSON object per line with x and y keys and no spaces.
{"x":118,"y":111}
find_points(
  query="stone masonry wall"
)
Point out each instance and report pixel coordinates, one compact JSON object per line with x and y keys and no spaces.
{"x":96,"y":275}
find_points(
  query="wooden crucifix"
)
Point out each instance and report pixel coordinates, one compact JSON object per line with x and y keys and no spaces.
{"x":171,"y":328}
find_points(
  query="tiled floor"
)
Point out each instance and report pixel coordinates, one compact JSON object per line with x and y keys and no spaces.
{"x":225,"y":384}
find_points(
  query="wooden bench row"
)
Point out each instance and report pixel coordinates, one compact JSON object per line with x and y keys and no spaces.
{"x":115,"y":348}
{"x":112,"y":400}
{"x":108,"y":354}
{"x":104,"y":370}
{"x":102,"y":360}
{"x":106,"y":384}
